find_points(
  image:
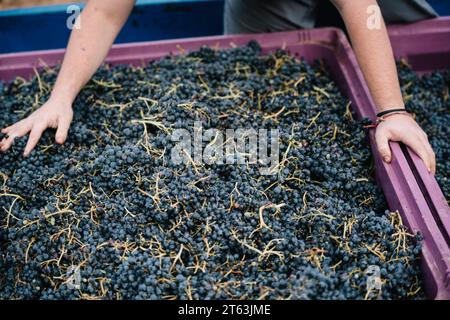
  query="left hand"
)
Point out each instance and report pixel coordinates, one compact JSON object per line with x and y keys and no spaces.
{"x":402,"y":128}
{"x":52,"y":114}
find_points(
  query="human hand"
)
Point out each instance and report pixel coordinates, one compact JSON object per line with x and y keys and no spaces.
{"x":56,"y":114}
{"x":403,"y":128}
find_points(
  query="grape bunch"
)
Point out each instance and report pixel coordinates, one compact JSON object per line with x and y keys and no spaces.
{"x":427,"y":97}
{"x":108,"y":215}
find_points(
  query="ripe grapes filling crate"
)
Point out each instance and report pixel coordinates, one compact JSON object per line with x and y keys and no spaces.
{"x":398,"y":181}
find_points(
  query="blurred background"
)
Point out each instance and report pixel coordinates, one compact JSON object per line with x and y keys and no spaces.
{"x":11,"y":4}
{"x":29,"y":25}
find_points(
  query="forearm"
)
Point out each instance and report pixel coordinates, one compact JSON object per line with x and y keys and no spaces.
{"x":101,"y":21}
{"x":374,"y":53}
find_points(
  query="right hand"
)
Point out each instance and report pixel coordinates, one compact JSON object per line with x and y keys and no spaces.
{"x":54,"y":114}
{"x":404,"y":129}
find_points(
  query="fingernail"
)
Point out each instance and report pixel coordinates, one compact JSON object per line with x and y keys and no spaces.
{"x":386,"y":159}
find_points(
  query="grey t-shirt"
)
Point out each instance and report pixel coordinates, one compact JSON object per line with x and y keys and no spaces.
{"x":255,"y":16}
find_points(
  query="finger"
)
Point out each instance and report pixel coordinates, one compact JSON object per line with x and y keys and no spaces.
{"x":383,"y":146}
{"x":16,"y":125}
{"x":6,"y":143}
{"x":433,"y":161}
{"x":63,"y":129}
{"x":16,"y":131}
{"x":431,"y":155}
{"x":5,"y":130}
{"x":20,"y":129}
{"x":417,"y":144}
{"x":35,"y":135}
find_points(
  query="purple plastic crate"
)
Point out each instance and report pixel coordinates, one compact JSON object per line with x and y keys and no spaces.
{"x":397,"y":180}
{"x":425,"y":44}
{"x":426,"y":47}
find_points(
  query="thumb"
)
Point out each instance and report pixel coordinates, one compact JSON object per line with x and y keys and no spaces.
{"x":63,"y":129}
{"x":383,"y":146}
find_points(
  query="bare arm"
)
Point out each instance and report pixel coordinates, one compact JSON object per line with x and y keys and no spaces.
{"x":101,"y":21}
{"x":88,"y":46}
{"x":374,"y":53}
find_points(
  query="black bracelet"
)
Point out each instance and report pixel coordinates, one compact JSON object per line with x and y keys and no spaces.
{"x":385,"y":112}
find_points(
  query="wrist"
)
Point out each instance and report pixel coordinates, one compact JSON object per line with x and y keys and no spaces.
{"x":387,"y":112}
{"x":395,"y":115}
{"x":389,"y":106}
{"x":61,"y":99}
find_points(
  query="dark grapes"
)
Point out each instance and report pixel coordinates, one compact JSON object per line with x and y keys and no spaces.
{"x":111,"y":207}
